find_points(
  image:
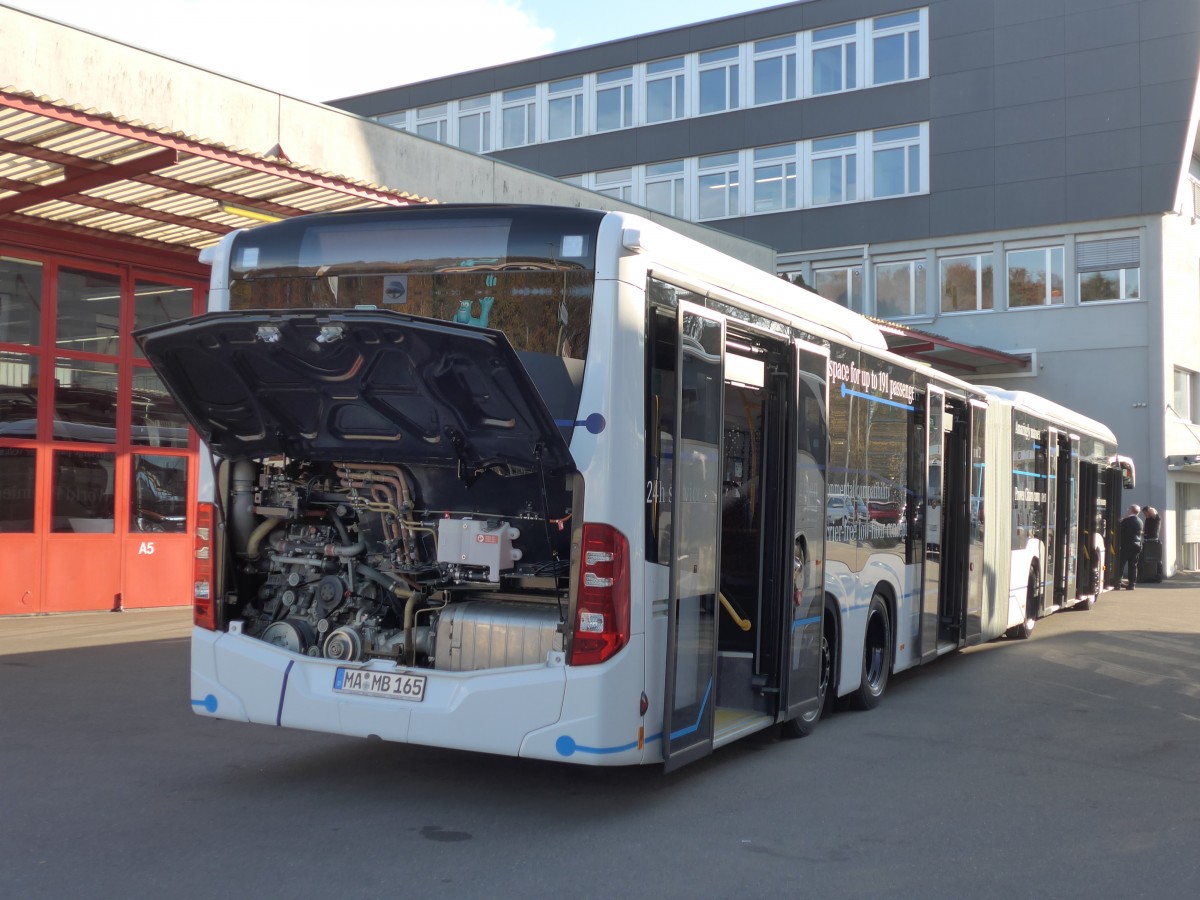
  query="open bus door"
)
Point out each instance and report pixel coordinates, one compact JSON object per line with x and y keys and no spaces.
{"x":1067,"y":556}
{"x":695,"y":504}
{"x":808,"y":661}
{"x":935,"y":411}
{"x":1051,"y":592}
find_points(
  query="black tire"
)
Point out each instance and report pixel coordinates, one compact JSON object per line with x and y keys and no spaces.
{"x":1090,"y":601}
{"x":1024,"y":631}
{"x":877,"y":657}
{"x":802,"y":726}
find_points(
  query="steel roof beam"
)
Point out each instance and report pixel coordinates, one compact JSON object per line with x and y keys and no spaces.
{"x":97,"y":177}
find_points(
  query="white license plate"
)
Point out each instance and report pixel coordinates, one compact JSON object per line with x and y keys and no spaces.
{"x":398,"y":685}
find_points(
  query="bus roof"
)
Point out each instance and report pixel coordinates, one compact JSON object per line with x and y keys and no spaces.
{"x":1051,"y":411}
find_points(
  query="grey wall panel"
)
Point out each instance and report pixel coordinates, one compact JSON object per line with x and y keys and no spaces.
{"x":658,"y":143}
{"x":1023,"y":204}
{"x":773,"y":22}
{"x":966,"y":168}
{"x":836,"y":226}
{"x":1030,"y":81}
{"x":1010,"y":12}
{"x":1094,"y":113}
{"x":1116,"y":149}
{"x":590,"y":59}
{"x":778,"y":230}
{"x":1163,"y":144}
{"x":965,"y":131}
{"x":663,"y":44}
{"x":963,"y":211}
{"x":963,"y":91}
{"x":1099,"y":195}
{"x":1164,"y":18}
{"x":1169,"y":59}
{"x":1030,"y":122}
{"x":1105,"y":69}
{"x":1030,"y":161}
{"x":1167,"y":102}
{"x":819,"y":13}
{"x":904,"y":218}
{"x":948,"y":18}
{"x":718,"y":33}
{"x":962,"y":52}
{"x":716,"y":134}
{"x":899,"y":104}
{"x":1159,"y":185}
{"x":1102,"y":24}
{"x":1030,"y":40}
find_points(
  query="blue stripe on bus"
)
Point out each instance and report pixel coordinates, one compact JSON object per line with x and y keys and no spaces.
{"x":594,"y":423}
{"x":811,"y":620}
{"x":566,"y":745}
{"x":1030,"y":474}
{"x":209,"y":703}
{"x":283,"y":691}
{"x":847,"y":392}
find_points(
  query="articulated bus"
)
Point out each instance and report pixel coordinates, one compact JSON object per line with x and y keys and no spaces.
{"x":561,"y":483}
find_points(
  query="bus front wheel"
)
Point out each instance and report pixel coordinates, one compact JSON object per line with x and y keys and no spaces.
{"x":1024,"y":631}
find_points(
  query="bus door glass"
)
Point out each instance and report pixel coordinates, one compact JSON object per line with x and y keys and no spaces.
{"x":1069,"y":473}
{"x":695,"y":503}
{"x":803,"y":637}
{"x":975,"y":590}
{"x":1052,"y":583}
{"x":934,"y":526}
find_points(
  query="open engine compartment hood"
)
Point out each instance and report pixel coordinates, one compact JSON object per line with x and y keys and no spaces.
{"x":370,"y":385}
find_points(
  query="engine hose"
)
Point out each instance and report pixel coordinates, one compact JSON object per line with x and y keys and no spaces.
{"x":257,"y":536}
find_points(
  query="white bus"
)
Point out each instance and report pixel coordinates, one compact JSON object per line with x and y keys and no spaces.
{"x":563,"y":484}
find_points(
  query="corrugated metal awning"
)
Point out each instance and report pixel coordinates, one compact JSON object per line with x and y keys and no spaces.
{"x":954,"y":357}
{"x":93,"y":173}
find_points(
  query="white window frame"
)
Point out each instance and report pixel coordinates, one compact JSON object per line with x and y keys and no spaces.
{"x":397,"y":120}
{"x":724,"y":170}
{"x":915,"y":271}
{"x":728,"y":59}
{"x":785,"y":50}
{"x":911,"y":141}
{"x":479,"y":109}
{"x":674,"y":174}
{"x":673,"y":71}
{"x":618,"y":82}
{"x":841,"y":36}
{"x":914,"y":40}
{"x":524,"y":99}
{"x":847,"y":147}
{"x":615,"y":183}
{"x":1048,"y":254}
{"x":1115,"y":256}
{"x":784,"y":160}
{"x":435,"y":117}
{"x":980,"y":259}
{"x":1185,"y":394}
{"x":571,"y":92}
{"x":851,"y":271}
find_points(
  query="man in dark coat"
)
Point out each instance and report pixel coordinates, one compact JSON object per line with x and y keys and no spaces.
{"x":1131,"y":545}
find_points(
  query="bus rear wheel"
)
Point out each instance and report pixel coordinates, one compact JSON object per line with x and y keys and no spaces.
{"x":877,"y":656}
{"x":805,"y":725}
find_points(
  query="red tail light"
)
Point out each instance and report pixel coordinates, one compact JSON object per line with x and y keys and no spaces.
{"x":204,"y":607}
{"x":601,"y":626}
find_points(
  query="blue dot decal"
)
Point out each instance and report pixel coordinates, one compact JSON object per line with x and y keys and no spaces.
{"x":565,"y":746}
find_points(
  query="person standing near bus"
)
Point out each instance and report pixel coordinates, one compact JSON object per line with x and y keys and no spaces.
{"x":1131,"y":545}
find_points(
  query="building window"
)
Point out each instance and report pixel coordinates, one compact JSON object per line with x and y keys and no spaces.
{"x":835,"y":170}
{"x":518,"y":117}
{"x":896,"y":47}
{"x":397,"y":120}
{"x":475,"y":124}
{"x":665,"y":90}
{"x":89,"y":311}
{"x":719,"y":181}
{"x":841,"y":284}
{"x":19,"y":385}
{"x":719,"y":80}
{"x":1186,"y":399}
{"x":20,"y":301}
{"x":432,"y":122}
{"x":666,"y":188}
{"x":614,"y":99}
{"x":615,"y":183}
{"x":158,"y":490}
{"x":899,"y":289}
{"x":834,"y":59}
{"x":775,"y":70}
{"x":83,"y":499}
{"x":1109,"y":269}
{"x":775,"y":178}
{"x":896,"y":161}
{"x":18,"y":476}
{"x":566,"y":109}
{"x":1035,"y":277}
{"x":966,"y":282}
